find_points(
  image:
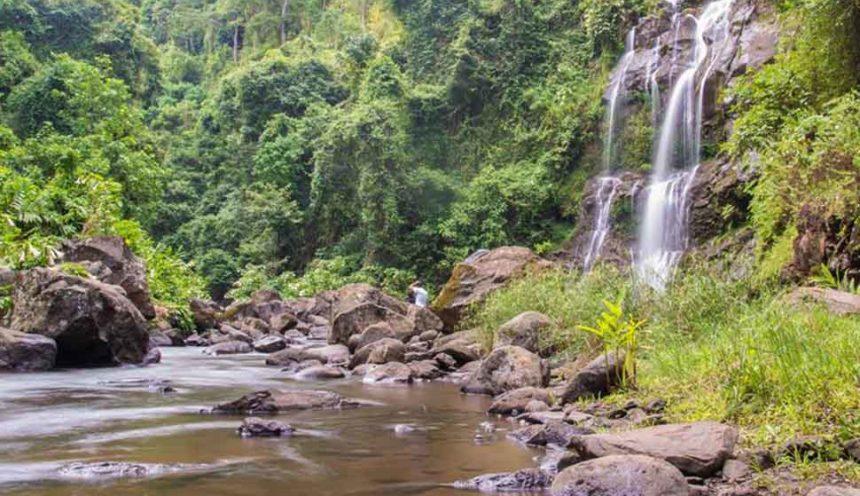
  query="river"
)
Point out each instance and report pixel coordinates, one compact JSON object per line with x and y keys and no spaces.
{"x":52,"y":419}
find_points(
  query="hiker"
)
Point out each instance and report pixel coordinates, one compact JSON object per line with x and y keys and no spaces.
{"x":418,"y":295}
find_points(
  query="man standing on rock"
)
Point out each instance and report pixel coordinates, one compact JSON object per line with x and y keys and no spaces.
{"x":417,"y":294}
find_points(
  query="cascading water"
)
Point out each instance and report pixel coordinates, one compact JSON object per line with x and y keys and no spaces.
{"x":663,"y":237}
{"x":608,"y":184}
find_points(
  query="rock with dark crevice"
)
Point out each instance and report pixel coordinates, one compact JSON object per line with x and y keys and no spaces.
{"x":515,"y":402}
{"x":92,"y":323}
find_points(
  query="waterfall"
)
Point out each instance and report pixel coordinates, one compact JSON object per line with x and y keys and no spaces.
{"x":663,"y":236}
{"x":608,"y":185}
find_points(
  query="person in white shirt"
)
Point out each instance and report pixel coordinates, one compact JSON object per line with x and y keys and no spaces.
{"x":418,"y":295}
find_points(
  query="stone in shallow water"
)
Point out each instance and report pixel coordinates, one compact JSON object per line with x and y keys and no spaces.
{"x":269,"y":402}
{"x":529,"y":479}
{"x":257,"y":427}
{"x":119,"y":470}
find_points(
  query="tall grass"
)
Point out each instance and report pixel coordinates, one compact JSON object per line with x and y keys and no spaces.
{"x":568,"y":298}
{"x":714,"y":348}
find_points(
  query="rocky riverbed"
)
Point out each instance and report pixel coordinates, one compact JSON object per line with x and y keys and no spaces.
{"x":133,"y":430}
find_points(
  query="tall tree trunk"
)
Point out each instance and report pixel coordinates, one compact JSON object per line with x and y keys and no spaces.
{"x":285,"y":10}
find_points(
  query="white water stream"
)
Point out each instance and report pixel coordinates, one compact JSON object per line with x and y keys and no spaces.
{"x":663,"y":235}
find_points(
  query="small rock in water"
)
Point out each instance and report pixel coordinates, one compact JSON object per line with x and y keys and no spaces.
{"x":114,"y":470}
{"x":529,"y":479}
{"x":487,"y":427}
{"x":257,"y":427}
{"x":401,"y":429}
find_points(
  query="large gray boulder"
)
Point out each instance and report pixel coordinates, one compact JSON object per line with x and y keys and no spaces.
{"x":620,"y":475}
{"x":598,"y":378}
{"x":205,"y":313}
{"x":335,"y":354}
{"x":355,"y":319}
{"x":697,"y":449}
{"x":93,"y":323}
{"x":111,"y":261}
{"x":21,"y":352}
{"x":505,"y":369}
{"x":527,"y":330}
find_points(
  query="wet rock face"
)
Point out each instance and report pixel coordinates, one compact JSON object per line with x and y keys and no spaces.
{"x":22,"y":352}
{"x":92,"y":323}
{"x":620,"y":475}
{"x":111,"y":261}
{"x":479,"y":275}
{"x":698,"y":449}
{"x":717,"y":185}
{"x":617,"y":244}
{"x":505,"y":369}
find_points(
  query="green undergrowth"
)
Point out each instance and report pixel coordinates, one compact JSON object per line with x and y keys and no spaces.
{"x":713,"y":348}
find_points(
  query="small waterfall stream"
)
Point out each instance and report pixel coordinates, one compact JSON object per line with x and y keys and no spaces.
{"x":663,"y":237}
{"x":608,"y":185}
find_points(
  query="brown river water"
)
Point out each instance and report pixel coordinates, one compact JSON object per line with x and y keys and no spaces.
{"x":49,"y":420}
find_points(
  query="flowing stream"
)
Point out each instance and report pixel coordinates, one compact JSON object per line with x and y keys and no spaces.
{"x":608,"y":184}
{"x":49,"y":420}
{"x":663,"y":235}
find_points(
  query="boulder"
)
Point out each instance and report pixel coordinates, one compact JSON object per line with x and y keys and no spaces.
{"x":505,"y":369}
{"x":352,"y":295}
{"x":554,"y":433}
{"x":698,"y":449}
{"x":270,"y":344}
{"x":379,"y":352}
{"x":479,"y":275}
{"x":111,"y":261}
{"x":158,"y":338}
{"x":196,"y":340}
{"x":838,"y":302}
{"x":598,"y":378}
{"x":275,"y":401}
{"x":93,"y":323}
{"x":357,"y":318}
{"x":257,"y":427}
{"x":23,"y":352}
{"x":331,"y":354}
{"x":834,"y":491}
{"x":424,"y":320}
{"x":515,"y":402}
{"x":371,"y":334}
{"x":228,"y":348}
{"x":205,"y":313}
{"x":425,"y":370}
{"x":526,"y":480}
{"x":527,"y":330}
{"x":620,"y":475}
{"x":390,"y":373}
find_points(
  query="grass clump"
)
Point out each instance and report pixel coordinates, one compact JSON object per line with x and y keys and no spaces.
{"x":715,"y":348}
{"x":567,"y":298}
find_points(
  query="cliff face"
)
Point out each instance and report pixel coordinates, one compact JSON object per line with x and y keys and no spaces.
{"x":662,"y":44}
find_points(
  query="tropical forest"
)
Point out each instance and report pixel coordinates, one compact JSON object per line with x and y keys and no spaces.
{"x":430,"y":247}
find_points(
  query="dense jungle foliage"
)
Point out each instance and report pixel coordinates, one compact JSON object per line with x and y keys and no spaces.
{"x":302,"y":144}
